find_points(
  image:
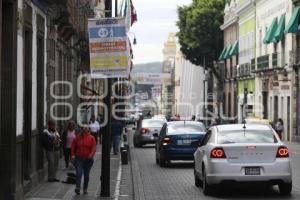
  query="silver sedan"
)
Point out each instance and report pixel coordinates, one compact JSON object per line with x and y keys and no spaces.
{"x":242,"y":153}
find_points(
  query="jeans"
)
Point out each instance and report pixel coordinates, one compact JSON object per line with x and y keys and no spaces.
{"x":116,"y":143}
{"x":53,"y":159}
{"x":67,"y":154}
{"x":95,"y":134}
{"x":83,"y":167}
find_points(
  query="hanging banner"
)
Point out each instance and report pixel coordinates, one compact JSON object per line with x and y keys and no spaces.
{"x":109,"y":48}
{"x":152,"y":78}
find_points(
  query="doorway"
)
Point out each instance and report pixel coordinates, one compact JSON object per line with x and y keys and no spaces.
{"x":27,"y":102}
{"x":275,"y":108}
{"x":40,"y":94}
{"x":265,"y":104}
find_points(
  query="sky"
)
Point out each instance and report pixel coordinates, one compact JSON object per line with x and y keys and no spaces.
{"x":156,"y":19}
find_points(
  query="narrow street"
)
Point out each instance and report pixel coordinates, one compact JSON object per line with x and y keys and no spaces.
{"x":176,"y":182}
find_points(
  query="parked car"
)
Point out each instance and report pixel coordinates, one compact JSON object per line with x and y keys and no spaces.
{"x":242,"y":153}
{"x":177,"y":141}
{"x":162,"y":117}
{"x":147,"y":132}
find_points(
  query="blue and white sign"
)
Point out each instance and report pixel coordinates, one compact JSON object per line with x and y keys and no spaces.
{"x":109,"y":48}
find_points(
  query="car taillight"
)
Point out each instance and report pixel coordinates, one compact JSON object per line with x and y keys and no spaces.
{"x":217,"y":153}
{"x":145,"y":130}
{"x":166,"y":141}
{"x":282,"y":152}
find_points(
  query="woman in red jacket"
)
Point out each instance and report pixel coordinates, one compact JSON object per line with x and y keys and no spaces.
{"x":83,"y":150}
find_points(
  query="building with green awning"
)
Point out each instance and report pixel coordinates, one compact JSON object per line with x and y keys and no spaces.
{"x":293,"y":24}
{"x":222,"y":54}
{"x":226,"y":55}
{"x":279,"y":33}
{"x":235,"y":49}
{"x":271,"y":32}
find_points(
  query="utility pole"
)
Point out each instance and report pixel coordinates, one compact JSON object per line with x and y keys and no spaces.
{"x":106,"y":143}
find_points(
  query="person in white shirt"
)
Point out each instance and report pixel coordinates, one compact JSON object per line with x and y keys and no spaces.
{"x":94,"y":128}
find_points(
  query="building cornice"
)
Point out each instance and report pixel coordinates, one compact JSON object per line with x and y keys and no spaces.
{"x":244,"y":7}
{"x":229,"y":22}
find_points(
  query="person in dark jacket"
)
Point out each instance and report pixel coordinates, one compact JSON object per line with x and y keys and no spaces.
{"x":50,"y":141}
{"x":116,"y":131}
{"x":68,"y":137}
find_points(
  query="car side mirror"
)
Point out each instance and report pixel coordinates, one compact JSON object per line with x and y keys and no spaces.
{"x":155,"y":134}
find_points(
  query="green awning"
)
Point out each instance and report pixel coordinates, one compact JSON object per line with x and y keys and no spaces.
{"x":271,"y":32}
{"x":222,"y":54}
{"x":226,"y":55}
{"x":279,"y":33}
{"x":293,"y":24}
{"x":235,"y":49}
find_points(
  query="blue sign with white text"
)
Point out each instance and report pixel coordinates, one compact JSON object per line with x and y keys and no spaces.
{"x":107,"y":32}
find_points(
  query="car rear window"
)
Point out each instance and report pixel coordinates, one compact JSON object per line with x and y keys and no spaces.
{"x":153,"y":123}
{"x":187,"y":128}
{"x":247,"y":136}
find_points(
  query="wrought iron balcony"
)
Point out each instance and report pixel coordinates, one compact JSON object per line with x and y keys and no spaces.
{"x":277,"y":60}
{"x":253,"y":63}
{"x":263,"y":62}
{"x":244,"y":70}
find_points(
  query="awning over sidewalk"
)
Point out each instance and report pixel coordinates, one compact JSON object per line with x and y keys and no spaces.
{"x":226,"y":55}
{"x":234,"y":49}
{"x":271,"y":32}
{"x":293,"y":24}
{"x":279,"y":33}
{"x":222,"y":54}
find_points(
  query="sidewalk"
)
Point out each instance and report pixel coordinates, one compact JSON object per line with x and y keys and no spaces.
{"x":120,"y":177}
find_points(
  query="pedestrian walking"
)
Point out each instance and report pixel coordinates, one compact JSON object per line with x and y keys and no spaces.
{"x":193,"y":118}
{"x":279,"y":127}
{"x":95,"y":128}
{"x":116,"y":130}
{"x":83,"y":150}
{"x":68,"y":137}
{"x":50,"y":140}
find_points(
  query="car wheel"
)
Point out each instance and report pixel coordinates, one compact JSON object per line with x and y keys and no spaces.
{"x":162,"y":162}
{"x":285,"y":188}
{"x":206,"y":187}
{"x":135,"y":142}
{"x":198,"y":182}
{"x":156,"y":159}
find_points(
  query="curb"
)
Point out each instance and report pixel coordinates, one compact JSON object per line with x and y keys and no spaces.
{"x":138,"y":189}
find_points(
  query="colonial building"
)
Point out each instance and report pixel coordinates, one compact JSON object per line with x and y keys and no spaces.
{"x":8,"y":96}
{"x":245,"y":79}
{"x":274,"y":73}
{"x":229,"y":57}
{"x":295,"y":59}
{"x":167,"y":98}
{"x":45,"y":50}
{"x":188,"y":88}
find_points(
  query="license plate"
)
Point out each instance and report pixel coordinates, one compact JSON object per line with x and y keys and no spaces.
{"x":252,"y":171}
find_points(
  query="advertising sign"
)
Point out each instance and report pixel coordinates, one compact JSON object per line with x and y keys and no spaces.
{"x":152,"y":78}
{"x":109,"y":48}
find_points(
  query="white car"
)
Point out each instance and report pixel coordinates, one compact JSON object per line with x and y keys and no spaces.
{"x":242,"y":153}
{"x":162,"y":117}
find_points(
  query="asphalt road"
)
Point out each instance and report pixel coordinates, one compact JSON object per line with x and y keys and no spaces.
{"x":176,"y":181}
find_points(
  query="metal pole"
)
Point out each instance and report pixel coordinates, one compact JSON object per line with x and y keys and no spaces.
{"x":106,"y":144}
{"x":116,"y":8}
